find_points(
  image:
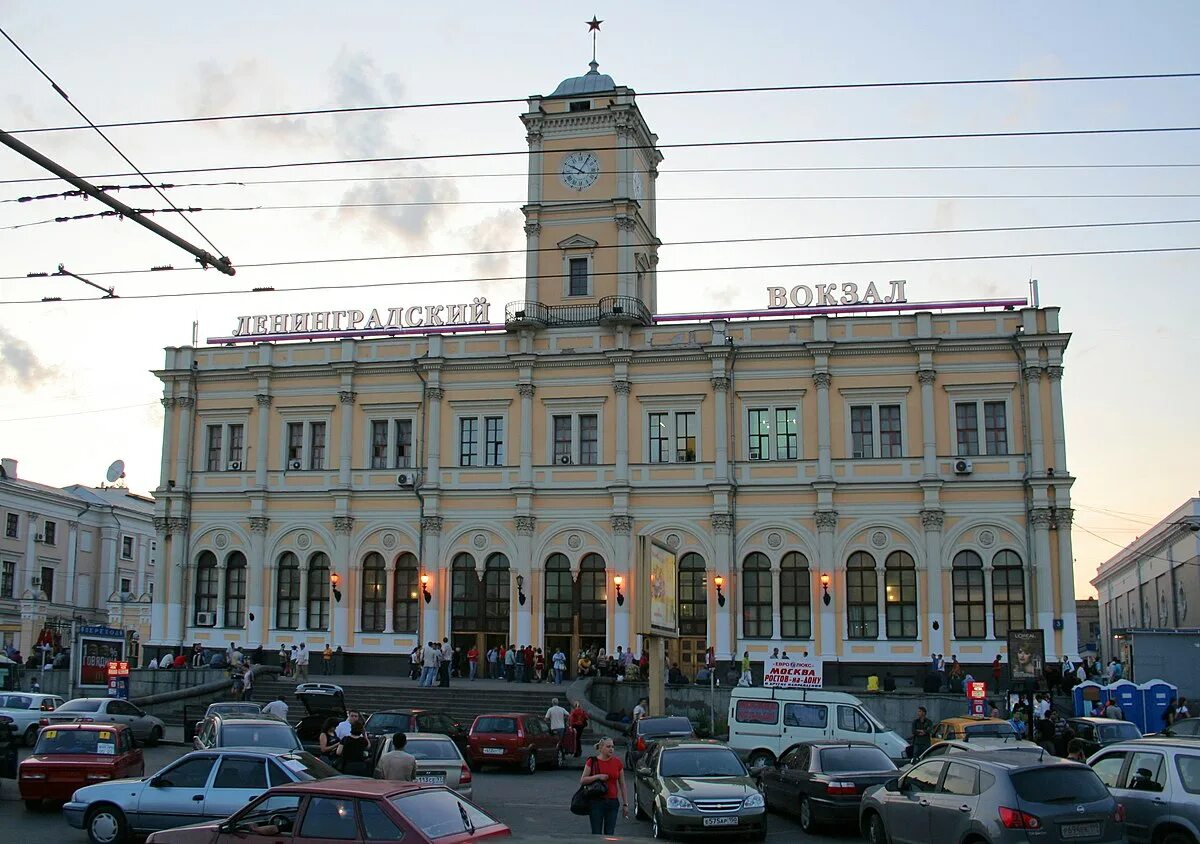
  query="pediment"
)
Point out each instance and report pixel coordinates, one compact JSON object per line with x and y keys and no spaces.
{"x":578,"y":241}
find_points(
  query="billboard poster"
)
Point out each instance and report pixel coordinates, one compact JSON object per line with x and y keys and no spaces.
{"x":95,"y":654}
{"x":1026,"y":654}
{"x":793,"y":673}
{"x":658,"y":583}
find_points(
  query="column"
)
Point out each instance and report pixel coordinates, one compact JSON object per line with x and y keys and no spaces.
{"x":927,"y":377}
{"x":345,"y":445}
{"x":525,"y":525}
{"x":621,"y":389}
{"x":776,"y":624}
{"x":389,"y":618}
{"x":989,"y":606}
{"x":1055,"y":374}
{"x":433,"y":442}
{"x":532,"y":231}
{"x":720,"y":386}
{"x":30,"y":568}
{"x":164,"y":470}
{"x":823,"y":380}
{"x":939,"y":636}
{"x":339,"y":622}
{"x":163,"y":596}
{"x":72,"y":562}
{"x":622,"y":531}
{"x":626,"y":271}
{"x":176,"y":609}
{"x":1040,"y":518}
{"x":526,"y":392}
{"x":183,"y":456}
{"x":1065,"y":607}
{"x":826,"y":528}
{"x":722,"y":525}
{"x":1033,"y":390}
{"x":431,"y":526}
{"x":221,"y":570}
{"x":302,"y":619}
{"x":258,"y":570}
{"x":263,"y":400}
{"x":110,"y":538}
{"x":143,"y":556}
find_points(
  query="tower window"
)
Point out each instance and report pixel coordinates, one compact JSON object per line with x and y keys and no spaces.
{"x":578,"y":283}
{"x":580,"y":105}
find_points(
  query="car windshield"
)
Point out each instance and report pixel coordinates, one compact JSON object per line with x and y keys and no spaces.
{"x":93,"y":742}
{"x":1002,"y":729}
{"x":438,"y":812}
{"x":259,"y":735}
{"x":82,"y":705}
{"x":492,"y":724}
{"x":836,"y":760}
{"x":390,"y":722}
{"x":664,"y":726}
{"x":306,"y":767}
{"x":1059,"y":784}
{"x":1124,"y":731}
{"x":432,"y":749}
{"x":701,"y":762}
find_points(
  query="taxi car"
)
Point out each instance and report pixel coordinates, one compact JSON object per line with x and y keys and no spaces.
{"x":70,"y":756}
{"x":966,"y":728}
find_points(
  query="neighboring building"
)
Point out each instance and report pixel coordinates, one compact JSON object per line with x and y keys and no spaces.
{"x":915,"y":459}
{"x":1154,"y":582}
{"x":72,"y":553}
{"x":1087,"y":622}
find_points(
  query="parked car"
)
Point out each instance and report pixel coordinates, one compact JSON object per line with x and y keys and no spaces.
{"x":998,"y":796}
{"x":968,"y":729}
{"x":26,"y":709}
{"x":513,"y":738}
{"x":388,"y":722}
{"x":224,"y":708}
{"x":647,"y":731}
{"x":764,"y":722}
{"x":105,"y":710}
{"x":1101,"y":732}
{"x":1156,"y":780}
{"x":1187,"y":728}
{"x":346,"y":809}
{"x":236,"y":729}
{"x":8,"y":748}
{"x":321,"y":701}
{"x":203,"y":785}
{"x":70,"y":756}
{"x":439,"y":761}
{"x":822,"y":782}
{"x":697,"y":786}
{"x":977,"y":744}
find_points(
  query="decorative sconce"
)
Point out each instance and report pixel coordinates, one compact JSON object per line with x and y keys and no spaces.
{"x":520,"y":589}
{"x":825,"y":588}
{"x":618,"y":582}
{"x":334,"y":580}
{"x":719,"y":582}
{"x":425,"y":588}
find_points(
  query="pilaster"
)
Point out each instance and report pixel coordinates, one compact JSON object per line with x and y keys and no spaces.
{"x":826,"y":522}
{"x":340,"y":631}
{"x":258,"y":582}
{"x":932,"y":521}
{"x":439,"y":578}
{"x":727,"y":632}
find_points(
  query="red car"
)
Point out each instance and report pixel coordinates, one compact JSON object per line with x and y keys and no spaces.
{"x":69,"y":756}
{"x":511,"y":738}
{"x":347,"y":809}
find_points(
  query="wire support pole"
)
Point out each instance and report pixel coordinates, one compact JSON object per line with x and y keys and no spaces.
{"x":205,"y":259}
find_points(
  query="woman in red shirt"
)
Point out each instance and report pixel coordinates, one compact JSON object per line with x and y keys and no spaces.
{"x":473,"y":660}
{"x":607,"y":768}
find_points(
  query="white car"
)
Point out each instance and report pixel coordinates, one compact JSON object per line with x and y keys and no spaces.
{"x":26,"y":709}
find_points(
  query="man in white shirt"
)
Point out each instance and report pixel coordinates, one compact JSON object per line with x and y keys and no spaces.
{"x":302,"y":665}
{"x":430,"y":659}
{"x":557,"y":716}
{"x":277,"y":708}
{"x":447,"y":658}
{"x":1042,"y":707}
{"x":640,"y":711}
{"x":343,"y":729}
{"x":166,"y":660}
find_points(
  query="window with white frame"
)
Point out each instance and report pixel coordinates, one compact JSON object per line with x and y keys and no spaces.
{"x":224,"y":446}
{"x":391,"y":443}
{"x":773,"y":433}
{"x":50,"y":533}
{"x":481,"y":440}
{"x":493,"y":440}
{"x":295,"y":444}
{"x":126,"y":547}
{"x":12,"y":522}
{"x":316,"y":445}
{"x":576,"y":438}
{"x":8,"y":576}
{"x":215,"y":449}
{"x":306,"y":444}
{"x":672,"y":430}
{"x":990,"y":438}
{"x":875,"y":422}
{"x":577,"y":277}
{"x":468,"y":441}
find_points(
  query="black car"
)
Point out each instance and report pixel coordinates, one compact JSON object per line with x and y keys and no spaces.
{"x":1187,"y":728}
{"x":649,"y":731}
{"x":387,"y":722}
{"x":823,"y":781}
{"x":1100,"y":732}
{"x":321,"y":701}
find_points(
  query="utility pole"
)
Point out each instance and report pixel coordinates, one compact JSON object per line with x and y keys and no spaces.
{"x":206,"y":259}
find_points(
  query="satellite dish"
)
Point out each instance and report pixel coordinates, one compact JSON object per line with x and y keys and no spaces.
{"x":115,"y":471}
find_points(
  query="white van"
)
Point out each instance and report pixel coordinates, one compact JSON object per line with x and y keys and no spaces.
{"x":764,"y":722}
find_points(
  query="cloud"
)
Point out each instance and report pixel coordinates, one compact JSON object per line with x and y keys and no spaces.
{"x":20,"y":365}
{"x":500,"y":231}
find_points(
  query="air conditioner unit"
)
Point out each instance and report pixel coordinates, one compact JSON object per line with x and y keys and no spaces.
{"x":234,"y":466}
{"x":564,"y":459}
{"x":206,"y":619}
{"x":963,"y":467}
{"x":405,"y":479}
{"x":37,"y":537}
{"x":293,"y":464}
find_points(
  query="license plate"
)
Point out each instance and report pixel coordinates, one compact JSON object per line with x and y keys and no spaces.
{"x":493,"y":751}
{"x":733,"y":821}
{"x":1080,"y":830}
{"x":432,"y":779}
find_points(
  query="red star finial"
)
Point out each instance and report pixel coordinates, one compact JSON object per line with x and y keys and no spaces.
{"x":594,"y":25}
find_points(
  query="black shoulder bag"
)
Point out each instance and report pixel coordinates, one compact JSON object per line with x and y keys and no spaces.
{"x":581,"y":800}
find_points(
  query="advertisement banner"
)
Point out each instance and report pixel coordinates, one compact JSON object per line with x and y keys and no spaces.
{"x":793,"y":673}
{"x":94,"y":656}
{"x":1026,"y":654}
{"x":977,"y":699}
{"x":659,"y":580}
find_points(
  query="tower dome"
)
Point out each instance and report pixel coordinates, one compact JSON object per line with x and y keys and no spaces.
{"x":592,"y":82}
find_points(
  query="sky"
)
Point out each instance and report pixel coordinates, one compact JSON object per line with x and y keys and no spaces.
{"x":76,"y":383}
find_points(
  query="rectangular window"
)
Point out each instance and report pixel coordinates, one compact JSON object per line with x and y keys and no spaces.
{"x":379,"y":444}
{"x":579,"y":277}
{"x":46,"y":584}
{"x":126,"y":547}
{"x":404,"y":443}
{"x":685,"y":437}
{"x":295,"y":443}
{"x":468,"y":442}
{"x":787,"y":434}
{"x":865,"y":420}
{"x":8,"y":574}
{"x":862,"y":431}
{"x":50,"y":533}
{"x":214,"y":448}
{"x":773,"y":433}
{"x":890,"y":444}
{"x":659,"y":438}
{"x":580,"y":105}
{"x":126,"y":585}
{"x":563,"y":436}
{"x":757,"y":712}
{"x":760,"y":434}
{"x":589,"y":439}
{"x":967,"y":421}
{"x":494,"y":440}
{"x":995,"y":427}
{"x":236,"y":441}
{"x":11,"y":521}
{"x":316,"y":445}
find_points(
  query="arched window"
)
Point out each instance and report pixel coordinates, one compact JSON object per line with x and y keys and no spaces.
{"x":206,"y":584}
{"x":967,"y":581}
{"x":1008,"y":593}
{"x":407,"y":602}
{"x":862,"y":597}
{"x":318,"y":591}
{"x":900,"y":593}
{"x":235,"y":590}
{"x":464,"y":587}
{"x":795,"y":596}
{"x":374,"y":593}
{"x":756,"y":597}
{"x":693,"y":596}
{"x":559,"y":610}
{"x":592,"y":596}
{"x":497,"y":590}
{"x":287,"y":593}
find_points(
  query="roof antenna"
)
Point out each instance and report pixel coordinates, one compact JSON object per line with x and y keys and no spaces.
{"x":1034,"y":298}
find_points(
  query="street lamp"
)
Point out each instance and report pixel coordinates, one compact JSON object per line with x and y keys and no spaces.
{"x":425,"y":588}
{"x":825,"y":588}
{"x":334,"y":580}
{"x":521,"y":590}
{"x":719,"y":582}
{"x":618,"y":581}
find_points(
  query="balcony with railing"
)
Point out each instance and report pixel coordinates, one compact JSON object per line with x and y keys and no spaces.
{"x":611,"y":310}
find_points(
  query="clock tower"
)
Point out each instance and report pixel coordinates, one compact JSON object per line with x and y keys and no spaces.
{"x":590,"y":218}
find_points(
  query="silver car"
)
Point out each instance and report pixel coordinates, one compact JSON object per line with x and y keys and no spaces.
{"x":202,"y":786}
{"x":999,"y":796}
{"x":26,"y":709}
{"x":439,"y":761}
{"x":105,"y":710}
{"x":1157,"y":780}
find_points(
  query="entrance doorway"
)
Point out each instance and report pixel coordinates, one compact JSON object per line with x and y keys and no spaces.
{"x":479,"y":609}
{"x":689,"y":649}
{"x":575,"y":611}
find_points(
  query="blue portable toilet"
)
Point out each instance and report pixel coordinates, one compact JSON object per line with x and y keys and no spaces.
{"x":1129,"y":697}
{"x":1156,"y":695}
{"x":1085,"y":694}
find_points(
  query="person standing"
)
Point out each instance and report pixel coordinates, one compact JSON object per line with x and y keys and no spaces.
{"x":302,"y":664}
{"x":606,"y":767}
{"x":327,"y":660}
{"x":472,"y":662}
{"x":1181,"y":711}
{"x":746,"y":679}
{"x":429,"y":661}
{"x":493,"y":659}
{"x":1113,"y":711}
{"x":510,"y":663}
{"x":527,"y":657}
{"x":641,"y":710}
{"x":277,"y":707}
{"x":247,"y":680}
{"x":355,"y":750}
{"x":559,"y":661}
{"x":447,"y":655}
{"x":414,"y":662}
{"x":578,"y":722}
{"x":328,"y":741}
{"x":922,"y":729}
{"x":557,"y":716}
{"x":996,"y":669}
{"x":285,"y":662}
{"x":397,"y":763}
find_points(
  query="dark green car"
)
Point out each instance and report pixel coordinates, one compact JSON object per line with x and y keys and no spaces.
{"x":697,"y":786}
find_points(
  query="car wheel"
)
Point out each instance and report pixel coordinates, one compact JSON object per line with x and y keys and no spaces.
{"x":760,"y":759}
{"x":638,"y":812}
{"x":106,"y":824}
{"x":807,"y":822}
{"x":876,"y":834}
{"x":1176,"y":836}
{"x":656,"y":827}
{"x":155,"y":737}
{"x":31,"y":735}
{"x":531,"y":762}
{"x":33,"y":805}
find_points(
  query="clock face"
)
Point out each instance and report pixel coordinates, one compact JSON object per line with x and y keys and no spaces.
{"x":580,"y":170}
{"x":638,"y":189}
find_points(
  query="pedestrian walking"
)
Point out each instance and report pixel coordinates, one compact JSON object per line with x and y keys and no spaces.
{"x":277,"y":707}
{"x":247,"y":681}
{"x":327,"y":660}
{"x":285,"y":661}
{"x":429,"y":663}
{"x":447,"y":656}
{"x":539,"y":666}
{"x":922,"y":729}
{"x":1181,"y":711}
{"x":578,"y":722}
{"x":397,"y":763}
{"x":559,"y":661}
{"x":472,"y":662}
{"x":607,"y":768}
{"x":557,"y":716}
{"x":302,"y":664}
{"x":746,"y":679}
{"x":996,"y":671}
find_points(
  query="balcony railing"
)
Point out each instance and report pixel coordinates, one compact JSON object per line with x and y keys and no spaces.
{"x":611,"y":310}
{"x":623,"y":310}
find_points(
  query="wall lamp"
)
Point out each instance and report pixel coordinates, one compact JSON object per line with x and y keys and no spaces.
{"x":334,"y":580}
{"x":618,"y":582}
{"x":825,"y":588}
{"x":521,"y":589}
{"x":425,"y":588}
{"x":719,"y":582}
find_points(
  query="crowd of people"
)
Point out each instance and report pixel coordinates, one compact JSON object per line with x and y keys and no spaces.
{"x":437,"y":663}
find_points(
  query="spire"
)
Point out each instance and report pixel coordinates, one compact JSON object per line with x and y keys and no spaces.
{"x":593,"y":28}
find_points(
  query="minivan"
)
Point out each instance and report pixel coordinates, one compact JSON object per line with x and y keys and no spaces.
{"x":763,"y":722}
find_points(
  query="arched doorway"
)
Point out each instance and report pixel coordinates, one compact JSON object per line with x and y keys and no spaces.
{"x":479,"y":609}
{"x":688,"y":649}
{"x":575,"y":612}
